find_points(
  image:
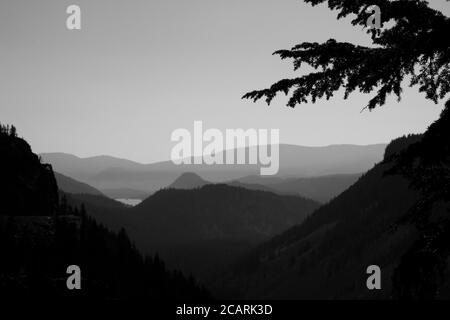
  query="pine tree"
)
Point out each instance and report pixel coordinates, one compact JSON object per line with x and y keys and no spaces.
{"x":13,"y":132}
{"x":415,"y":47}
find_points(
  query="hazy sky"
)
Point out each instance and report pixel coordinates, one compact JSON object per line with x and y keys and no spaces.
{"x":140,"y":69}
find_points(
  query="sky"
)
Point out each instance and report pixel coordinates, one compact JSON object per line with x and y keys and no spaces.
{"x":139,"y":69}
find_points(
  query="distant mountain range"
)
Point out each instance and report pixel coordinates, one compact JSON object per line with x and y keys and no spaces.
{"x":109,"y":173}
{"x":321,"y":189}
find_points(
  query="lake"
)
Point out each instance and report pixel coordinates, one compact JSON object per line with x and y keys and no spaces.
{"x":130,"y":202}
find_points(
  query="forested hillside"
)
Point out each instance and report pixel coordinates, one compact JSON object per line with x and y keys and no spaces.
{"x":396,"y":216}
{"x":41,"y":235}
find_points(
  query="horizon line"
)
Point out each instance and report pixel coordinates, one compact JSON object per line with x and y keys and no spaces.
{"x":224,"y":150}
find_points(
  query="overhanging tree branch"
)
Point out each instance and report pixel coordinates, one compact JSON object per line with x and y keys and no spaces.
{"x":416,"y":46}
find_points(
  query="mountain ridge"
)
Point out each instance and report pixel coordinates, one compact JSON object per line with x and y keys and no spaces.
{"x":295,"y":161}
{"x":70,"y":185}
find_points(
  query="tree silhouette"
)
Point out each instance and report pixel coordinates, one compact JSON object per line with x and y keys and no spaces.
{"x":13,"y":131}
{"x":415,"y":45}
{"x":8,"y":130}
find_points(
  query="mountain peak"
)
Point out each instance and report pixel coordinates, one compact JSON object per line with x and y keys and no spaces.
{"x":188,"y":180}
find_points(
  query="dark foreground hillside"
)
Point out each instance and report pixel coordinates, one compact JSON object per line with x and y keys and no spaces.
{"x":203,"y":230}
{"x":396,"y":216}
{"x":40,"y":236}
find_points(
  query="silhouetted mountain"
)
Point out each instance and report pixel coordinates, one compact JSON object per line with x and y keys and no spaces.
{"x":381,"y":220}
{"x":82,"y":169}
{"x":424,"y":271}
{"x":188,"y":180}
{"x":70,"y":185}
{"x":41,"y":236}
{"x":220,"y":212}
{"x":201,"y":230}
{"x":295,"y":161}
{"x":27,"y":188}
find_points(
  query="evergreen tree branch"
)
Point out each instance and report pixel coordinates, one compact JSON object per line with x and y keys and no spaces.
{"x":417,"y":46}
